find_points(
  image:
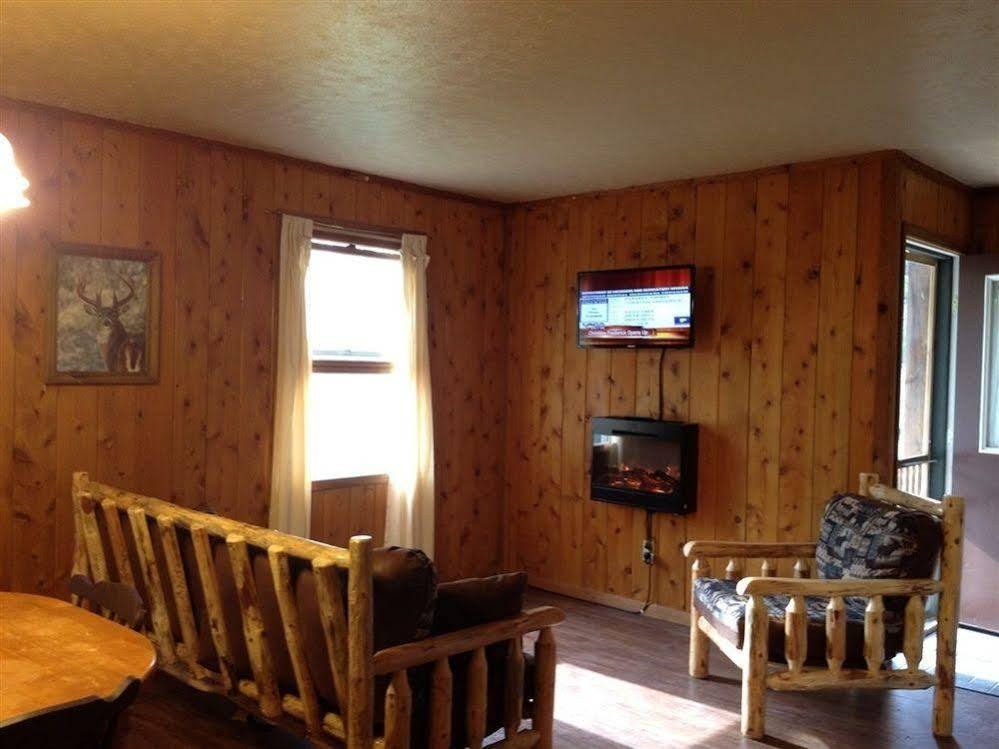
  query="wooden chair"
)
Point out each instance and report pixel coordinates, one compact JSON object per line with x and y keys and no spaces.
{"x":118,"y":602}
{"x":837,"y":640}
{"x":84,"y":724}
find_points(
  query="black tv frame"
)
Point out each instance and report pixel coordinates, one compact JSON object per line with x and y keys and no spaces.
{"x":693,"y":316}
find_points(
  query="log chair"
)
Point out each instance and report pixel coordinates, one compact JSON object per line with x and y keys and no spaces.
{"x":864,"y":664}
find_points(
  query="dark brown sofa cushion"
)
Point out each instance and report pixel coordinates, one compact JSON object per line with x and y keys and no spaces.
{"x":405,"y":586}
{"x":478,"y":600}
{"x":462,"y":604}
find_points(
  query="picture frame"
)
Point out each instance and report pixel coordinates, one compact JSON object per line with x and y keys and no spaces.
{"x":104,"y":325}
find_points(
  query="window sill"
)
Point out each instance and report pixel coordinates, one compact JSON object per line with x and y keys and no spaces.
{"x":349,"y":481}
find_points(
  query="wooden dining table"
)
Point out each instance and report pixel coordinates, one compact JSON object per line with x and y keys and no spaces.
{"x":52,"y":652}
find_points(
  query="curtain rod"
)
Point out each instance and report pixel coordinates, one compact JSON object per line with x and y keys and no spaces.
{"x":328,"y":222}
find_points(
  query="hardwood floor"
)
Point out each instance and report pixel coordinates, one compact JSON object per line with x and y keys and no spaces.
{"x":623,"y":684}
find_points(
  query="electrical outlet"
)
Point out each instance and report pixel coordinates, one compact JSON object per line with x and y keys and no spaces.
{"x":648,"y":551}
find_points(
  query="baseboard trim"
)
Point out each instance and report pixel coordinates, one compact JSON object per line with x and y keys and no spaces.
{"x":668,"y":614}
{"x":614,"y":601}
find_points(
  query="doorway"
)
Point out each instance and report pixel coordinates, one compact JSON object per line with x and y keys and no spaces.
{"x":948,"y":424}
{"x":925,"y":370}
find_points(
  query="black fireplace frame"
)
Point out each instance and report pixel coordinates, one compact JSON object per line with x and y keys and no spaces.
{"x":682,"y":502}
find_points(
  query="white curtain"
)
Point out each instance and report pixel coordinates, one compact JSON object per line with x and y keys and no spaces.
{"x":410,"y":508}
{"x":291,"y":490}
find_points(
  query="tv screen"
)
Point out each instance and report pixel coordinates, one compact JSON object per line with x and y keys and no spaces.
{"x":637,"y":307}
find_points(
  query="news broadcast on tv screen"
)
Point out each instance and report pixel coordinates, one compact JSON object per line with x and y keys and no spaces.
{"x":637,"y":307}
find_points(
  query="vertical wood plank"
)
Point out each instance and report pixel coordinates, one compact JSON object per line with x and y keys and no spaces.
{"x":626,"y":575}
{"x":157,"y":231}
{"x":117,"y":430}
{"x":734,"y":362}
{"x":705,"y":357}
{"x":863,"y":375}
{"x":575,"y":450}
{"x":256,"y":397}
{"x":80,"y":222}
{"x":316,"y":192}
{"x":670,"y":574}
{"x":801,"y":314}
{"x":551,"y":382}
{"x":8,"y":290}
{"x":763,"y":465}
{"x":920,"y":200}
{"x":516,"y":456}
{"x":598,"y":372}
{"x":34,"y":449}
{"x":196,"y":198}
{"x":835,"y":339}
{"x":225,"y":244}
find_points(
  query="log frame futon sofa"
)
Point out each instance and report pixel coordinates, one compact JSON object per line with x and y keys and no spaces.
{"x":229,"y":603}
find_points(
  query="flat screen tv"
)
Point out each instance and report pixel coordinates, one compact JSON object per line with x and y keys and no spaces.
{"x":637,"y":307}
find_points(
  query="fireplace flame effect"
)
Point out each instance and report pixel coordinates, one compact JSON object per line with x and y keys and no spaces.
{"x":636,"y":478}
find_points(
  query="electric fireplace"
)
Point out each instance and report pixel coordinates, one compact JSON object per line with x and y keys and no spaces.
{"x":645,"y":463}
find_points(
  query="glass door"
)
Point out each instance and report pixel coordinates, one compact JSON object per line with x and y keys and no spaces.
{"x":924,"y":385}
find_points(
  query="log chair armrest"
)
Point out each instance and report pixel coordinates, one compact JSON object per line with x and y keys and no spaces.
{"x":747,"y":549}
{"x":794,"y":586}
{"x":411,"y":654}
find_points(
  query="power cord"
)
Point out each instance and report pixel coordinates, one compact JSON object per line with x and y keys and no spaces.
{"x":662,"y":396}
{"x":649,"y":557}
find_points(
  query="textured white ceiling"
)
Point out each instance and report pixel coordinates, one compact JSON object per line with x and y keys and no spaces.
{"x":519,"y":100}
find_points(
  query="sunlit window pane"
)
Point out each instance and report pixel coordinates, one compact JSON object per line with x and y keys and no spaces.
{"x":353,"y":306}
{"x":354,"y":309}
{"x":916,"y":394}
{"x":350,"y":424}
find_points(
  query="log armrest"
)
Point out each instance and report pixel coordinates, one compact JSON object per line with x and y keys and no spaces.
{"x":418,"y":653}
{"x":793,"y":586}
{"x":747,"y":549}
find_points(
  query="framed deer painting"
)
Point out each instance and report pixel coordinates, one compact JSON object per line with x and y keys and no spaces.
{"x":105,"y":326}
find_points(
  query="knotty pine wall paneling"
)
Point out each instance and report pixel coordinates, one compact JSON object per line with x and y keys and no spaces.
{"x":201,"y":436}
{"x":936,"y":206}
{"x":794,"y":361}
{"x":985,"y":220}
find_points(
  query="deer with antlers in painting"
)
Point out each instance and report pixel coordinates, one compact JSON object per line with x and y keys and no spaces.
{"x":122,"y":351}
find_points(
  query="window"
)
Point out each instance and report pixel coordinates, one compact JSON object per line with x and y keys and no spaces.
{"x":918,"y":297}
{"x":354,"y":309}
{"x":990,"y":368}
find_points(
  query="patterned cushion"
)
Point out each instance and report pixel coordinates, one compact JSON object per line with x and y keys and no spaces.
{"x":717,"y":601}
{"x":866,"y":538}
